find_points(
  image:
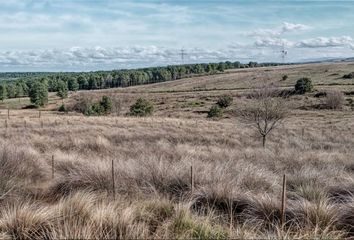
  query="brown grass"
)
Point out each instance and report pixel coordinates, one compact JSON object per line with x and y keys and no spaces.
{"x":235,"y":178}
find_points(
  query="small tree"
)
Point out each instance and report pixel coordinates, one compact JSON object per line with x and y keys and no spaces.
{"x":215,"y":112}
{"x":38,"y":93}
{"x":62,"y":89}
{"x":334,"y":99}
{"x":265,"y":113}
{"x":3,"y":92}
{"x":284,"y":77}
{"x":224,"y":101}
{"x":62,"y":108}
{"x":141,"y":108}
{"x":303,"y":85}
{"x":106,"y":104}
{"x":73,"y":84}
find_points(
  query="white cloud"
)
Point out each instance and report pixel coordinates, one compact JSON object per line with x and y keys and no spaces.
{"x":273,"y":42}
{"x":322,"y":42}
{"x":292,"y":27}
{"x":277,"y":32}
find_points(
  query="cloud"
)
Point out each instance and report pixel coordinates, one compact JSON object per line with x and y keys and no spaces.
{"x":325,"y":42}
{"x":273,"y":42}
{"x":292,"y":27}
{"x":277,"y":32}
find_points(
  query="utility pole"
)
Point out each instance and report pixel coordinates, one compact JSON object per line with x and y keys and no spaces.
{"x":183,"y":53}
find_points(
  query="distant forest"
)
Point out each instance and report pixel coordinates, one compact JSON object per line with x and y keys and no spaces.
{"x":20,"y":84}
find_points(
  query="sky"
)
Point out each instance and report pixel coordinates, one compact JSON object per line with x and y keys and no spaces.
{"x":86,"y":35}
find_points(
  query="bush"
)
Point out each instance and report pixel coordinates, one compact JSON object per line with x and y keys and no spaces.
{"x":284,"y":77}
{"x":106,"y":104}
{"x":303,"y":85}
{"x":90,"y":108}
{"x":141,"y":108}
{"x":215,"y":112}
{"x":102,"y":107}
{"x":334,"y":99}
{"x":62,"y":108}
{"x":224,"y":101}
{"x":349,"y":75}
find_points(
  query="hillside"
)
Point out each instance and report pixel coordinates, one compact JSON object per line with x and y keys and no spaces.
{"x":58,"y":181}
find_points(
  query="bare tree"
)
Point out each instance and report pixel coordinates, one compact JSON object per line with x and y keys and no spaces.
{"x":334,"y":99}
{"x":265,"y":111}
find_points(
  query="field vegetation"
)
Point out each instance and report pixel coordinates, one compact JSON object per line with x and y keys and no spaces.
{"x":174,"y":172}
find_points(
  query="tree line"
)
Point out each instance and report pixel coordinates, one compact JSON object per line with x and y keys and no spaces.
{"x":37,"y":85}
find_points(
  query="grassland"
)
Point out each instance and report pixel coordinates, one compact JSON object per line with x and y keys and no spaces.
{"x":238,"y":183}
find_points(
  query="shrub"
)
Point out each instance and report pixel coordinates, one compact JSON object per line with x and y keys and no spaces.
{"x":284,"y":77}
{"x":62,"y":108}
{"x":349,"y":75}
{"x":215,"y":112}
{"x":224,"y":101}
{"x":89,"y":108}
{"x":303,"y":85}
{"x":106,"y":104}
{"x":334,"y":99}
{"x":141,"y":108}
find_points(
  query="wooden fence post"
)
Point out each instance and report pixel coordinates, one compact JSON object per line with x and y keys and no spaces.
{"x":52,"y":166}
{"x":283,"y":202}
{"x":8,"y":113}
{"x":41,"y":124}
{"x":231,"y":215}
{"x":6,"y":123}
{"x":192,"y":179}
{"x":113,"y":181}
{"x":25,"y":123}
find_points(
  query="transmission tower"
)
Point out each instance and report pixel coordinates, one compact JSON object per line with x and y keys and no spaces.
{"x":283,"y":53}
{"x":183,"y":54}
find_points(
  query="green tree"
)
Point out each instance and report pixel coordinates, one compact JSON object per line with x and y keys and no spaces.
{"x":3,"y":92}
{"x":83,"y":83}
{"x":11,"y":90}
{"x":20,"y":91}
{"x":38,"y":93}
{"x":62,"y":90}
{"x":224,"y":101}
{"x":215,"y":112}
{"x":73,"y":84}
{"x":106,"y":104}
{"x":303,"y":85}
{"x":141,"y":108}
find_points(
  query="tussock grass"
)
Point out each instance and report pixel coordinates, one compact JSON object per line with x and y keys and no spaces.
{"x":235,"y":178}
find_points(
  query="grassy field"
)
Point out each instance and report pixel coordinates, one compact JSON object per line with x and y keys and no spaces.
{"x":56,"y":178}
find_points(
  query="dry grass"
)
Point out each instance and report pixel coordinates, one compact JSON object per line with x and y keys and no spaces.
{"x":236,"y":180}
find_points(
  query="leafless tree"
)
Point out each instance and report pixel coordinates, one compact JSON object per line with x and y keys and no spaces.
{"x":265,"y":110}
{"x":116,"y":105}
{"x":334,"y":99}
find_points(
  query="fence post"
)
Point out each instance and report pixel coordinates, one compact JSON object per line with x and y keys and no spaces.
{"x":8,"y":113}
{"x":283,"y":202}
{"x":231,"y":215}
{"x":192,"y":179}
{"x":303,"y":133}
{"x":113,"y":182}
{"x":41,"y":124}
{"x":25,"y":123}
{"x":6,"y":123}
{"x":52,"y":166}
